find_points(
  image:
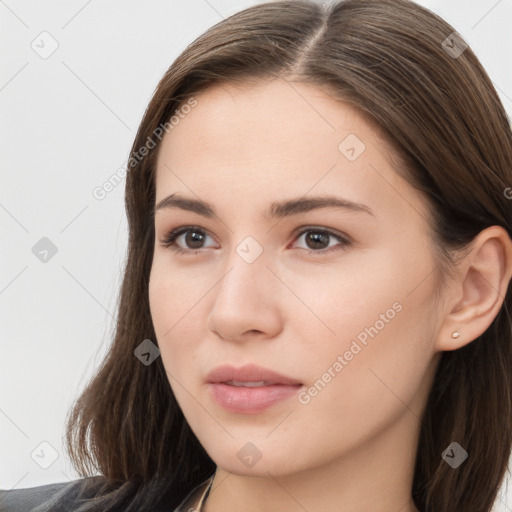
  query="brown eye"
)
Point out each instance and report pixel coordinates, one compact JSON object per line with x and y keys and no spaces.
{"x":317,"y":240}
{"x":192,"y":238}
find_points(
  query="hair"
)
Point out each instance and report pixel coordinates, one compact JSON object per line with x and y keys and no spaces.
{"x":444,"y":119}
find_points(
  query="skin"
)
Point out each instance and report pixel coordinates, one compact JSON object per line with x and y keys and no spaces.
{"x":353,"y":445}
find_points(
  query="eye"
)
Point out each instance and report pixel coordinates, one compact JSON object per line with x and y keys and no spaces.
{"x":193,"y":238}
{"x":316,"y":239}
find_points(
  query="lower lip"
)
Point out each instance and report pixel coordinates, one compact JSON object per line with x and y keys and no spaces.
{"x":250,"y":400}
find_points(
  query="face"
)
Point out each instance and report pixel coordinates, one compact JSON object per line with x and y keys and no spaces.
{"x":337,"y":297}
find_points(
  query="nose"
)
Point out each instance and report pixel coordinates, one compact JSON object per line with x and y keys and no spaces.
{"x":247,"y":301}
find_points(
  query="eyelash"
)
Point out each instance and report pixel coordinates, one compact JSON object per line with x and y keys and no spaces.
{"x":169,"y":239}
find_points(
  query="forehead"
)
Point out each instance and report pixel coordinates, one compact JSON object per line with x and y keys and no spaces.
{"x":277,"y":113}
{"x":275,"y":140}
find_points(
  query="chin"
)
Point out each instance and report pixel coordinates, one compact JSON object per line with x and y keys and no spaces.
{"x":245,"y":458}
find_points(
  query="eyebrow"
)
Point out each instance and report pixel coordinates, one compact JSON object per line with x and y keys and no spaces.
{"x":276,"y":210}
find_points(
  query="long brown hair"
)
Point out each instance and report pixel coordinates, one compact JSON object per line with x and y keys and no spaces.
{"x":395,"y":62}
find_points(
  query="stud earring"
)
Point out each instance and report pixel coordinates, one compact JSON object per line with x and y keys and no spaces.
{"x":455,"y":334}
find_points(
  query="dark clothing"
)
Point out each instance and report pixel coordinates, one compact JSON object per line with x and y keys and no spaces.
{"x":62,"y":497}
{"x":54,"y":497}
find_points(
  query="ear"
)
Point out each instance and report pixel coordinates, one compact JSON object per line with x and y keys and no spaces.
{"x":474,"y":299}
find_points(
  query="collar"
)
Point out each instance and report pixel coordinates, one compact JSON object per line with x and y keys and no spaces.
{"x":199,"y":492}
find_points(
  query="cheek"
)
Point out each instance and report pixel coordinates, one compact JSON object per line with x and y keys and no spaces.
{"x":173,"y":294}
{"x":175,"y":306}
{"x":336,"y":303}
{"x":373,"y":366}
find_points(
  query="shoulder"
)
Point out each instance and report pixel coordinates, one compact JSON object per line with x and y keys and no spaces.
{"x":44,"y":498}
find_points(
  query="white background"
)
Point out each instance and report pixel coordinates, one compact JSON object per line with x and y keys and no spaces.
{"x":68,"y":124}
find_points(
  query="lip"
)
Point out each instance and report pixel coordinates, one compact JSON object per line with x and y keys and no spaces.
{"x":249,"y":400}
{"x":248,"y":373}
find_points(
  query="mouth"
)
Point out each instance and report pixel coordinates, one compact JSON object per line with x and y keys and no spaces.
{"x":240,"y":383}
{"x":250,"y":389}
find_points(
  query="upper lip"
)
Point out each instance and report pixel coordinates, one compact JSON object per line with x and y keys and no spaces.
{"x":248,"y":373}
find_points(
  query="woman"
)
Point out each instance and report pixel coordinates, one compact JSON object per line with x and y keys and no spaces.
{"x":314,"y":312}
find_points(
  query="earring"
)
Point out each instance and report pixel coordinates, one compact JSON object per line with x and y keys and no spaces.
{"x":455,"y":334}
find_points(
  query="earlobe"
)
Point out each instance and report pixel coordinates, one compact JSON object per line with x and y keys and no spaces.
{"x":479,"y":291}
